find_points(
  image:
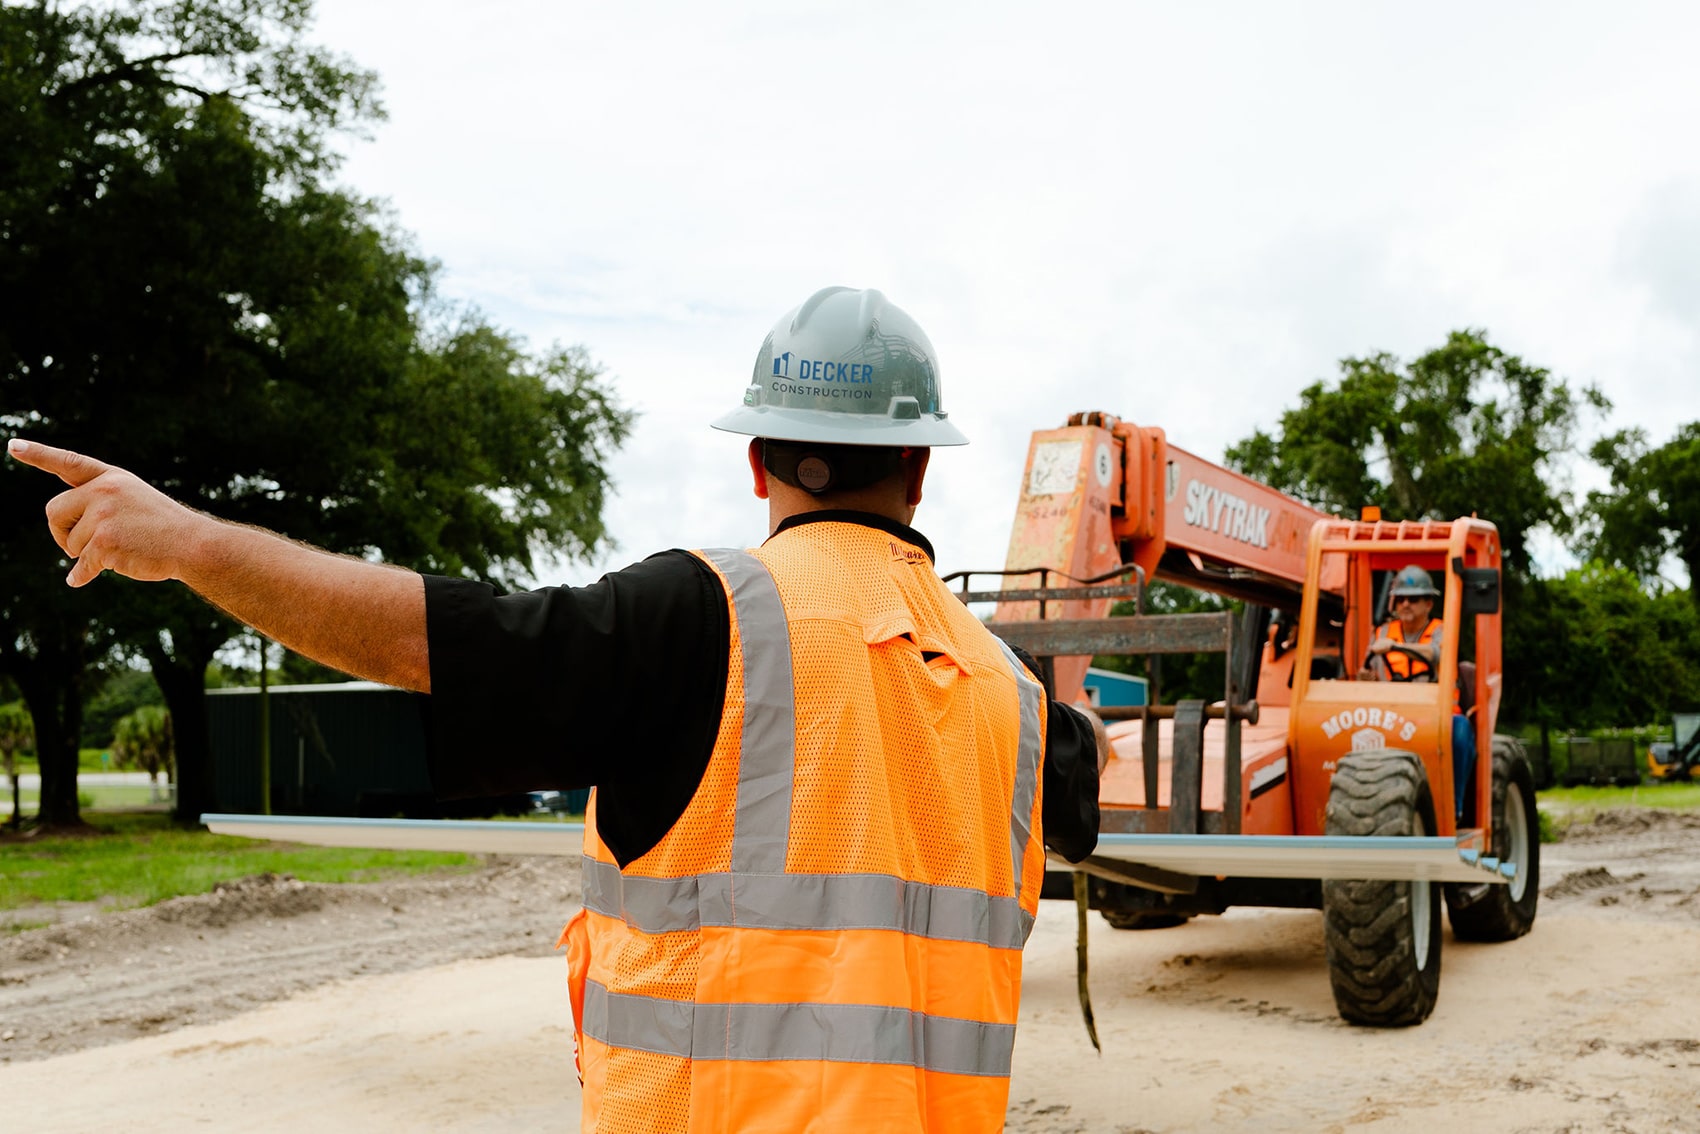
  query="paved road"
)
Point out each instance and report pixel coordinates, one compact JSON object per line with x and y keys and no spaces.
{"x":30,"y":781}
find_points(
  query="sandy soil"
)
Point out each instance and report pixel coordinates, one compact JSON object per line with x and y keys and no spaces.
{"x":437,"y":1005}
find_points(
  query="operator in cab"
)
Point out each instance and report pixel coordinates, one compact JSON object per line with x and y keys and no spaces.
{"x":1407,"y":648}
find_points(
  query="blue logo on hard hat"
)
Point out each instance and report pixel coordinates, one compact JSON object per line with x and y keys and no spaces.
{"x":819,"y":370}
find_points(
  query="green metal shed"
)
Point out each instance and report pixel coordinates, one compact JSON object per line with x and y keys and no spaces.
{"x":355,"y":748}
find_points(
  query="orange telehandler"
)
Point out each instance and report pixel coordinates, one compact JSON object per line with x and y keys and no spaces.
{"x":1309,"y":786}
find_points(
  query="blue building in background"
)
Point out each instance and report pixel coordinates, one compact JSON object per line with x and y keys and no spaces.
{"x":1106,"y":688}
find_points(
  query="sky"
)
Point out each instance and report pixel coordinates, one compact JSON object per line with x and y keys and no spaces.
{"x":1179,"y":214}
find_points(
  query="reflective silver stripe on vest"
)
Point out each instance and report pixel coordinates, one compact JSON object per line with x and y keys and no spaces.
{"x":834,"y":1033}
{"x":767,"y":757}
{"x":1026,"y":761}
{"x":806,"y":901}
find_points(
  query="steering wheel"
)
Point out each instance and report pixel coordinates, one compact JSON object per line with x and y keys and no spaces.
{"x":1411,"y":672}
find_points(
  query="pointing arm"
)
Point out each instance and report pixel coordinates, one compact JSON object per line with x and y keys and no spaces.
{"x":367,"y":619}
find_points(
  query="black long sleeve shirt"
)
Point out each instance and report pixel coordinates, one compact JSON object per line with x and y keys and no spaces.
{"x":646,"y":651}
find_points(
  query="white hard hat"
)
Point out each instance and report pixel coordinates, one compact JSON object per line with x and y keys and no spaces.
{"x":845,"y":368}
{"x":1413,"y":582}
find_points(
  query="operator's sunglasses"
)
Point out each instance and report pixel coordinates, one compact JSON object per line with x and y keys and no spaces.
{"x":1406,"y":600}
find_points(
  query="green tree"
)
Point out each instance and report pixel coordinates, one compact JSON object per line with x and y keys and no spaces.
{"x":17,"y":735}
{"x":137,"y":139}
{"x":1652,"y":509}
{"x":251,"y":340}
{"x":142,"y":740}
{"x":1617,"y":654}
{"x":1463,"y":429}
{"x":1176,"y":677}
{"x":122,"y":689}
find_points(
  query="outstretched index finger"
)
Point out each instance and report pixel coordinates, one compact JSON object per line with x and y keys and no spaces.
{"x":72,"y":468}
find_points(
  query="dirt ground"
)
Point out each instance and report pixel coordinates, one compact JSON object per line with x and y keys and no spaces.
{"x":439,"y":1005}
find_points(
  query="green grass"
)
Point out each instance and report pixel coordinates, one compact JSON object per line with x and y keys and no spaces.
{"x":125,"y":797}
{"x":1584,"y":798}
{"x":142,"y":859}
{"x":88,"y":760}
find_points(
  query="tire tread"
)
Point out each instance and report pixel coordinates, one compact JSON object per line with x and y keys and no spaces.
{"x":1370,"y":942}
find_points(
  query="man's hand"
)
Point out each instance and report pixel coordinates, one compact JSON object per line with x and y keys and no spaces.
{"x":363,"y":618}
{"x":1100,"y":735}
{"x":110,"y":519}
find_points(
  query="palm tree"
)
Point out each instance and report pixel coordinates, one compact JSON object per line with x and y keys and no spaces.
{"x":142,"y":740}
{"x":17,"y":734}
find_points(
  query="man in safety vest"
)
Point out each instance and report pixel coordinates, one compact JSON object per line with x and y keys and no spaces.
{"x":1407,"y":648}
{"x":806,"y":898}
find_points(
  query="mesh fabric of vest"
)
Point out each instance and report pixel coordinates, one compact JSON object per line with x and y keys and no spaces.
{"x":906,"y":733}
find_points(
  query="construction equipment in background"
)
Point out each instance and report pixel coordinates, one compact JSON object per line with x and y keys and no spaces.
{"x":1677,"y":760}
{"x":1305,"y":787}
{"x":1608,"y":760}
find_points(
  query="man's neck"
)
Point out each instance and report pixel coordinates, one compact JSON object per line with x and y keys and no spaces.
{"x":873,"y":520}
{"x":779,"y":510}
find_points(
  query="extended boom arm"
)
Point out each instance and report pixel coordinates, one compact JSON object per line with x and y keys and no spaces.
{"x":1101,"y":493}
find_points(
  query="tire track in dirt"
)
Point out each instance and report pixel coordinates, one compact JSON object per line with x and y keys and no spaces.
{"x":113,"y":977}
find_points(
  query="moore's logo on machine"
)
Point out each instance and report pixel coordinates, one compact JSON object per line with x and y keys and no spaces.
{"x":1226,"y":514}
{"x":812,"y":370}
{"x":1367,"y":720}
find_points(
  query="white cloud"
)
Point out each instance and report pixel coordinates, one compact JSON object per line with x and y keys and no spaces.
{"x":1179,"y":214}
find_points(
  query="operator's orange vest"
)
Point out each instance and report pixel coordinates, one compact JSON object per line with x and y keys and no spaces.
{"x":1400,"y":664}
{"x":830,"y":936}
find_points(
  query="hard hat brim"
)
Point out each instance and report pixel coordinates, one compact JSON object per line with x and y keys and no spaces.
{"x":786,"y":424}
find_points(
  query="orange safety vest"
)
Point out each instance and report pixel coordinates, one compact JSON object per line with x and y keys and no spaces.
{"x":1400,"y":664}
{"x":830,"y":936}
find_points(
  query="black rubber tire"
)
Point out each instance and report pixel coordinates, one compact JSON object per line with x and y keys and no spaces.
{"x":1502,"y":913}
{"x":1141,"y":919}
{"x":1383,"y":937}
